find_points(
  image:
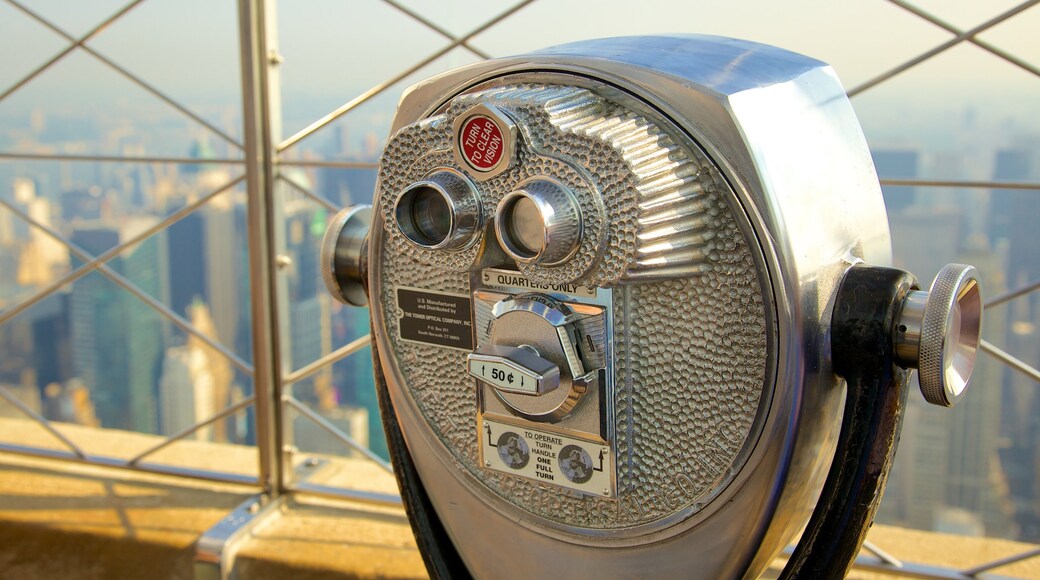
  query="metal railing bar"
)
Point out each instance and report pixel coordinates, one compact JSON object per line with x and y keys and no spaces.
{"x":46,"y":23}
{"x":379,"y":88}
{"x":962,"y":183}
{"x":883,"y":555}
{"x":339,"y":164}
{"x":432,"y":26}
{"x":116,"y":158}
{"x":350,"y":105}
{"x":90,"y":34}
{"x":117,"y":463}
{"x":915,"y":570}
{"x":132,"y":288}
{"x":905,"y":570}
{"x":309,"y":194}
{"x":36,"y":72}
{"x":1009,"y":360}
{"x":1028,"y":554}
{"x":336,"y":432}
{"x":369,"y":497}
{"x":1011,"y":295}
{"x":941,"y":48}
{"x":127,"y":74}
{"x":42,"y":421}
{"x":162,"y":96}
{"x":113,"y":252}
{"x":176,"y":319}
{"x":329,"y":359}
{"x":231,"y":410}
{"x":976,"y":41}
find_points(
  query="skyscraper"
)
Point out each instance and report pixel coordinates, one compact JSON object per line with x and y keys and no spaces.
{"x":226,"y":264}
{"x":117,"y":341}
{"x":188,"y":261}
{"x":948,"y":474}
{"x":1013,"y":221}
{"x":897,"y":164}
{"x":195,"y":383}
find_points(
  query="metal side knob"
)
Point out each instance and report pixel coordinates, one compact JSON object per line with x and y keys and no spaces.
{"x":344,"y":255}
{"x":938,"y":333}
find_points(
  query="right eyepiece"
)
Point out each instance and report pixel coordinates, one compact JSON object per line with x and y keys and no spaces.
{"x":539,"y":223}
{"x":439,"y":212}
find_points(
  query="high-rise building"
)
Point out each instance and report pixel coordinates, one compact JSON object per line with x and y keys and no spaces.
{"x":977,"y":478}
{"x":176,"y":392}
{"x":118,"y":341}
{"x":188,"y":261}
{"x":1013,"y":222}
{"x":353,"y":378}
{"x":307,"y":336}
{"x":93,"y":314}
{"x":195,"y":383}
{"x":226,"y":264}
{"x":1010,"y":208}
{"x":897,"y":164}
{"x":948,"y":474}
{"x":186,"y":392}
{"x":51,"y":355}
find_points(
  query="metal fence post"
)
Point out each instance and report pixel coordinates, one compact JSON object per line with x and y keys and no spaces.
{"x":259,"y":135}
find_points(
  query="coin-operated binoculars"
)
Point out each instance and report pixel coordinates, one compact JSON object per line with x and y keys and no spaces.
{"x":633,"y":314}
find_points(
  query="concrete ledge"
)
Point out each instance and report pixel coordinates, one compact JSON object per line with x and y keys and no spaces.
{"x":60,"y":519}
{"x":64,"y":519}
{"x":324,"y":539}
{"x":949,"y":551}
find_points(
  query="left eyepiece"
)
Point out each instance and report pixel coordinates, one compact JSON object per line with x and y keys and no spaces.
{"x":439,"y":212}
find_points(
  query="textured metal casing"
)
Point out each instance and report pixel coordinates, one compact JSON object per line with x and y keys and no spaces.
{"x":783,"y":134}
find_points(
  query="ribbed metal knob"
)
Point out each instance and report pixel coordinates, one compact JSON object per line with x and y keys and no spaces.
{"x":539,"y":223}
{"x":938,"y":333}
{"x":344,"y":250}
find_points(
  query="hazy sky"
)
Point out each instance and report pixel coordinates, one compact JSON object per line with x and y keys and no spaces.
{"x":335,"y":49}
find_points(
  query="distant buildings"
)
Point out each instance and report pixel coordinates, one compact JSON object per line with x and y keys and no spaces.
{"x":974,"y":469}
{"x":118,"y":341}
{"x":1015,"y":215}
{"x":95,"y":355}
{"x":897,"y":164}
{"x":196,"y":382}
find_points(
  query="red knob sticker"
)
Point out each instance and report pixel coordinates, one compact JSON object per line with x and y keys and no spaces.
{"x":481,"y":142}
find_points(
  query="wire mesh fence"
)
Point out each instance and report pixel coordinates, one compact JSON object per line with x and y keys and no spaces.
{"x":280,"y":361}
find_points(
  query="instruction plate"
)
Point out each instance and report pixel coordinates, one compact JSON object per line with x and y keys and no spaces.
{"x":584,"y":466}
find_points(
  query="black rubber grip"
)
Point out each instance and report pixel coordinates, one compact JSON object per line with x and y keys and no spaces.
{"x":865,"y":312}
{"x":438,"y":553}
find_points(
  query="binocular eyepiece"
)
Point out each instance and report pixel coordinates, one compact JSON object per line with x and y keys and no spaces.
{"x":615,"y":287}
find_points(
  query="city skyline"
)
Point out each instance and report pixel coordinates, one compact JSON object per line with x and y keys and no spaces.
{"x":193,"y":265}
